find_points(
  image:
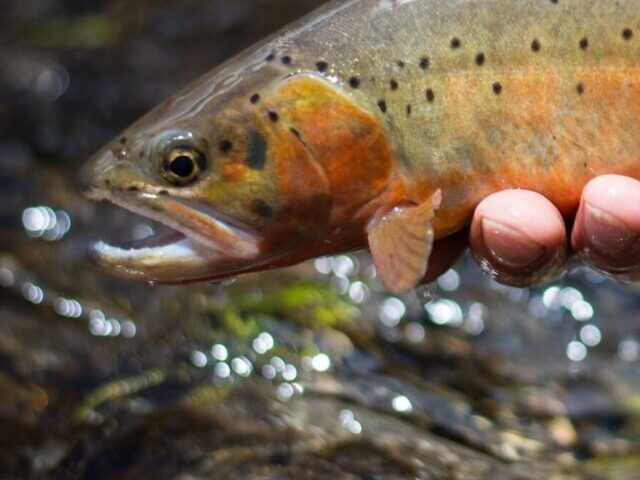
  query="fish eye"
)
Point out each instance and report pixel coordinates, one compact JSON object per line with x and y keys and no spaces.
{"x":182,"y":164}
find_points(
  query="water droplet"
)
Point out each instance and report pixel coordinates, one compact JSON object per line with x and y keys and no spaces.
{"x":582,"y":311}
{"x":269,"y":372}
{"x":629,"y":350}
{"x":358,"y":292}
{"x":242,"y":366}
{"x":290,"y":373}
{"x":576,"y":351}
{"x":401,"y":404}
{"x":425,"y":293}
{"x":414,"y":332}
{"x":285,"y":392}
{"x":199,"y":359}
{"x":392,"y":311}
{"x":590,"y":335}
{"x":445,"y":312}
{"x":321,"y":362}
{"x":449,"y":281}
{"x":32,"y":293}
{"x":219,"y":352}
{"x":222,"y":370}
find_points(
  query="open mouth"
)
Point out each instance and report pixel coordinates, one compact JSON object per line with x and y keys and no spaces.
{"x":200,"y":242}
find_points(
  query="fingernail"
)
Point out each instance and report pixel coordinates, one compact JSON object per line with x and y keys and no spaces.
{"x":509,"y":247}
{"x":606,"y":234}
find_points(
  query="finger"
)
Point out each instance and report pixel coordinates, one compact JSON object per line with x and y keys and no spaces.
{"x":607,"y":228}
{"x":519,"y":238}
{"x":445,"y":253}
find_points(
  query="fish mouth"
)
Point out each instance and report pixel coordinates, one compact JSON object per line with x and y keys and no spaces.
{"x":201,"y":244}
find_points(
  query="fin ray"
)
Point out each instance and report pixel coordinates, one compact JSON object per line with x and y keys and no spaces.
{"x":401,"y":241}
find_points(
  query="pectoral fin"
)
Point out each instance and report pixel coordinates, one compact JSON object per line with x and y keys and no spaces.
{"x":400,"y":242}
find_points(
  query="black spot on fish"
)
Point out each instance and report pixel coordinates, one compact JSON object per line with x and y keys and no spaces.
{"x":455,"y":43}
{"x":163,"y":192}
{"x":133,"y":188}
{"x":580,"y":88}
{"x":322,"y":66}
{"x":261,"y":208}
{"x":298,"y":135}
{"x":555,"y":2}
{"x":627,"y":33}
{"x":225,"y":146}
{"x":123,"y":140}
{"x":295,"y":132}
{"x":584,"y":43}
{"x":480,"y":58}
{"x":430,"y":95}
{"x":497,"y":88}
{"x":393,"y":84}
{"x":382,"y":105}
{"x":255,"y":98}
{"x":273,"y":116}
{"x":409,"y":110}
{"x":286,"y":60}
{"x":400,"y":63}
{"x":354,"y":82}
{"x":256,"y":151}
{"x":535,"y":45}
{"x":271,"y":57}
{"x":424,"y":63}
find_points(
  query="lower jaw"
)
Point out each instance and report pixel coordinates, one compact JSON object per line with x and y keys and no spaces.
{"x":171,"y":258}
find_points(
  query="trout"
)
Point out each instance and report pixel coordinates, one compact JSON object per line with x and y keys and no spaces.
{"x":376,"y":124}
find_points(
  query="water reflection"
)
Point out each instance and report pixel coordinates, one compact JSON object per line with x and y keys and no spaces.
{"x":98,"y":324}
{"x":629,"y":350}
{"x":349,"y":422}
{"x":401,"y":404}
{"x":44,"y":222}
{"x":222,"y":370}
{"x":576,"y":351}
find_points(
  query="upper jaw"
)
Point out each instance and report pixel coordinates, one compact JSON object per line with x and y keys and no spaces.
{"x":205,"y":244}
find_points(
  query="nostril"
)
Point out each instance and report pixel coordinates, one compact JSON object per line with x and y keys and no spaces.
{"x":120,"y":153}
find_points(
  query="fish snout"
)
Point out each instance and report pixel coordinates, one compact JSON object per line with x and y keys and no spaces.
{"x":95,"y":177}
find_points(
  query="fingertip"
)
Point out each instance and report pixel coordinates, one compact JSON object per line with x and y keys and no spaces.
{"x":617,"y":195}
{"x":518,"y":237}
{"x":607,"y":228}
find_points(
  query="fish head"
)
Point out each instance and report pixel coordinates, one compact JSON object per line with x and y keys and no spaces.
{"x":248,"y":177}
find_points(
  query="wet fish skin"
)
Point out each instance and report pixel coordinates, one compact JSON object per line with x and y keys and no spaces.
{"x":316,"y":136}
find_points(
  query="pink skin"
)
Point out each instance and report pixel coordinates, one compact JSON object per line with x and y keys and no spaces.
{"x":520,"y":238}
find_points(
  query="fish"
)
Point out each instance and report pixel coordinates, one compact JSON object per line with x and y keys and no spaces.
{"x":379,"y":125}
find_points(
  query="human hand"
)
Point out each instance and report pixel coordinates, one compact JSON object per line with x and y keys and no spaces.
{"x":519,"y":237}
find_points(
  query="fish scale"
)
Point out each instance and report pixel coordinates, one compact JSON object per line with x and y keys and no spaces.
{"x":379,"y":124}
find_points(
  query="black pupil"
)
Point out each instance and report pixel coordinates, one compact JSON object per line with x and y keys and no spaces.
{"x":182,"y":166}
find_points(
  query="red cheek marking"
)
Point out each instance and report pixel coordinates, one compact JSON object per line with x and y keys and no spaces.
{"x":347,"y":141}
{"x":234,"y":172}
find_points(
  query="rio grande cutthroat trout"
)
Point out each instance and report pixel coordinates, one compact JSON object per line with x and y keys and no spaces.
{"x":376,"y":124}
